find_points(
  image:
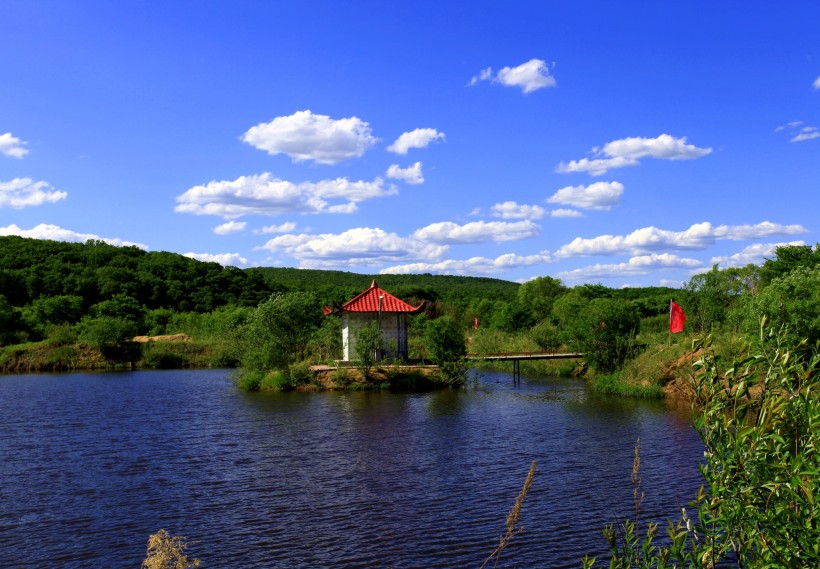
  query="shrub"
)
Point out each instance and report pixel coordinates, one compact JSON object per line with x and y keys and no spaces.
{"x":758,"y":419}
{"x":445,"y":340}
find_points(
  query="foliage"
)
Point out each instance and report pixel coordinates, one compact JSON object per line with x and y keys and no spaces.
{"x":326,"y":342}
{"x":167,"y":552}
{"x":759,"y":419}
{"x":709,"y":300}
{"x":9,"y":322}
{"x":613,"y":384}
{"x":604,"y":330}
{"x":368,"y":343}
{"x":31,"y":269}
{"x":787,"y":258}
{"x":277,"y":333}
{"x":538,"y":296}
{"x":546,"y":335}
{"x":445,"y":342}
{"x":792,"y":300}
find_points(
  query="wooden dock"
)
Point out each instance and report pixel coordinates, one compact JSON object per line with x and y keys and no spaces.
{"x":517,"y":357}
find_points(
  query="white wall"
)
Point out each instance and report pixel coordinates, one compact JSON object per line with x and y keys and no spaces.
{"x":394,"y":333}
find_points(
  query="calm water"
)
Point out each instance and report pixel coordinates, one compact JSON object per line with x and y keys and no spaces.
{"x":92,"y":464}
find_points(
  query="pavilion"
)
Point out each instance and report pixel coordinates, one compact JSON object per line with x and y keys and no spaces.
{"x":375,"y":305}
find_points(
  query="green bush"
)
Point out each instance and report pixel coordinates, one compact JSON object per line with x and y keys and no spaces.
{"x":445,"y":342}
{"x":604,"y":331}
{"x":161,"y":355}
{"x":759,"y":419}
{"x":276,"y":380}
{"x":300,"y":374}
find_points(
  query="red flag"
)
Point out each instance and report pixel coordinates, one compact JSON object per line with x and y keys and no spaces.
{"x":676,"y":317}
{"x":475,"y":322}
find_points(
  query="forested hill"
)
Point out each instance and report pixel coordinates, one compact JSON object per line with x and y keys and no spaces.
{"x":31,"y":269}
{"x":340,"y":286}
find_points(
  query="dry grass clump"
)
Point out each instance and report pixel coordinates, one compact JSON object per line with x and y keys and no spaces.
{"x":166,"y":551}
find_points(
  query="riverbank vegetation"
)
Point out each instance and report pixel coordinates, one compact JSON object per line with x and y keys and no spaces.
{"x":758,"y":418}
{"x":68,"y":306}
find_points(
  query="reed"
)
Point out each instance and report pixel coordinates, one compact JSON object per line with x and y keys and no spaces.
{"x":513,"y":528}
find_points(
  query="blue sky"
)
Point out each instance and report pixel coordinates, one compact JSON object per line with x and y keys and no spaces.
{"x":631,"y":144}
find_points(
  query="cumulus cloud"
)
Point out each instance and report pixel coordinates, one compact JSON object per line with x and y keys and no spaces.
{"x":636,"y":266}
{"x":305,"y":136}
{"x":447,"y":232}
{"x":419,"y":138}
{"x":757,"y":231}
{"x":281,"y":228}
{"x":12,"y":146}
{"x":265,"y":195}
{"x":472,"y":266}
{"x":56,"y":233}
{"x":359,"y":246}
{"x":697,"y":237}
{"x":25,"y":192}
{"x":529,"y":76}
{"x":411,"y":174}
{"x":629,"y":152}
{"x":223,"y":259}
{"x":816,"y":83}
{"x":230,"y":227}
{"x":600,"y":195}
{"x":514,"y":210}
{"x":754,"y":254}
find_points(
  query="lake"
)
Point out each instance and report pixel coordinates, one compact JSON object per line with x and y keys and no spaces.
{"x":92,"y":463}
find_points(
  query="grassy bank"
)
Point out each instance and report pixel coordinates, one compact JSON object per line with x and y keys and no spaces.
{"x":46,"y":356}
{"x":301,"y":377}
{"x":663,"y":369}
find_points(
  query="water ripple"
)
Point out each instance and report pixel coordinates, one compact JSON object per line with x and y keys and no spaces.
{"x":94,"y":463}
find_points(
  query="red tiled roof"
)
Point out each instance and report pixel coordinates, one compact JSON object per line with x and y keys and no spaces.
{"x":368,"y":301}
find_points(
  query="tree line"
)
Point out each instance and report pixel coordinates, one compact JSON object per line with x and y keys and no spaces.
{"x":102,"y":294}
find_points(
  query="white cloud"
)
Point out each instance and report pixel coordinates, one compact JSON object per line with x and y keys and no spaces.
{"x":265,"y":195}
{"x":600,"y":195}
{"x":636,"y":266}
{"x":25,"y":192}
{"x":806,"y":135}
{"x":561,"y":212}
{"x":529,"y":76}
{"x":411,"y":174}
{"x":472,"y":266}
{"x":55,"y":233}
{"x":12,"y":146}
{"x":816,"y":83}
{"x":762,"y":229}
{"x":305,"y":136}
{"x":699,"y":236}
{"x":754,"y":254}
{"x":799,"y":132}
{"x":230,"y":227}
{"x":629,"y":151}
{"x":514,"y":210}
{"x":282,"y":228}
{"x":483,"y":75}
{"x":358,"y":246}
{"x":446,"y":232}
{"x":419,"y":138}
{"x":223,"y":259}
